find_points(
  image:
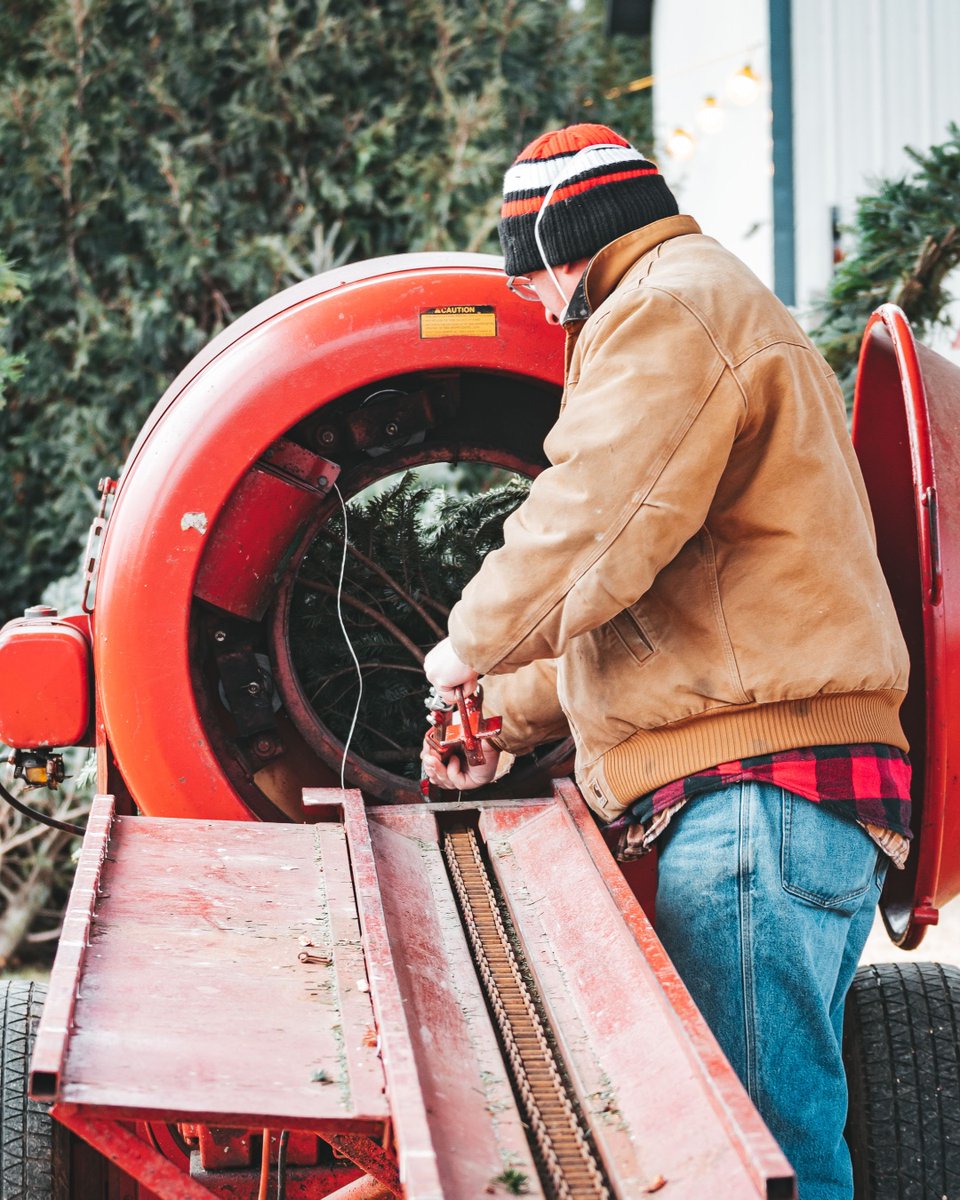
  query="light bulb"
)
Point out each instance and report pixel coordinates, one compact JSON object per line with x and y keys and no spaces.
{"x":680,"y":145}
{"x":744,"y":87}
{"x":711,"y":116}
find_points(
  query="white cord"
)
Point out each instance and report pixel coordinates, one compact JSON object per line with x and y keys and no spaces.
{"x":566,"y":172}
{"x":346,"y":636}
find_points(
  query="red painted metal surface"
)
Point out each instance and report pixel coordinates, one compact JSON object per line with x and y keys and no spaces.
{"x":278,"y":365}
{"x":300,"y":1183}
{"x":46,"y":683}
{"x":641,"y":1058}
{"x":374,"y":1159}
{"x":137,"y":1158}
{"x":905,"y":430}
{"x":259,"y":527}
{"x":182,"y":994}
{"x":366,"y":1188}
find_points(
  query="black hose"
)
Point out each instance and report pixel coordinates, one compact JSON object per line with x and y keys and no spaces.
{"x":282,"y":1164}
{"x":43,"y":818}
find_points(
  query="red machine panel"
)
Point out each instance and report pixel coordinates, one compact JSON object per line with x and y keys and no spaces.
{"x":637,"y":1054}
{"x":904,"y":430}
{"x":240,"y":945}
{"x":45,"y":683}
{"x":276,"y":367}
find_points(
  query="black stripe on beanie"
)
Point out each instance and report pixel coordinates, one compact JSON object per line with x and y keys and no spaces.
{"x":583,"y":177}
{"x":582,"y":224}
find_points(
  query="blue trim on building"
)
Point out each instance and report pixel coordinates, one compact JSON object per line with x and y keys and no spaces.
{"x":781,"y":80}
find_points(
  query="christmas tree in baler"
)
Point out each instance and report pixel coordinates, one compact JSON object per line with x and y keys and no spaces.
{"x":411,"y":547}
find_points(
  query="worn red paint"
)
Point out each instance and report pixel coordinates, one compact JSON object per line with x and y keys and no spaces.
{"x":905,"y":434}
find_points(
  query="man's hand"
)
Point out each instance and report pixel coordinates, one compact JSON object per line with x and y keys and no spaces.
{"x":451,"y":774}
{"x":446,"y":671}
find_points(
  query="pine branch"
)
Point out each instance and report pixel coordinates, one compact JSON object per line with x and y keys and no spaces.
{"x":326,"y":589}
{"x":388,"y":579}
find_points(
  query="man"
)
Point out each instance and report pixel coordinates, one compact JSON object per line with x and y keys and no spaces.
{"x":692,"y":589}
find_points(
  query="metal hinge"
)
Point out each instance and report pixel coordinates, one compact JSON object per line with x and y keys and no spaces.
{"x":91,"y":556}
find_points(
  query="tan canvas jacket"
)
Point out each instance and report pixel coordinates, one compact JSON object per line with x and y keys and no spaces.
{"x":694,"y":578}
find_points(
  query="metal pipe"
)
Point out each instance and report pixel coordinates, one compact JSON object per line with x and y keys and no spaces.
{"x":364,"y":1188}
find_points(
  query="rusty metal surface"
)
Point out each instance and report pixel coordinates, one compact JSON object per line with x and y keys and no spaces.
{"x":659,"y":1098}
{"x":561,"y":1140}
{"x":445,"y":1074}
{"x":365,"y":1188}
{"x":905,"y":434}
{"x":300,"y":1183}
{"x":222,"y":1148}
{"x":59,"y":1008}
{"x":191,"y":1001}
{"x":642,"y":1057}
{"x":138,"y":1159}
{"x":374,"y":1159}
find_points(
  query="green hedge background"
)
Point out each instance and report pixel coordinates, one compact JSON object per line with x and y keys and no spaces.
{"x":167,"y":164}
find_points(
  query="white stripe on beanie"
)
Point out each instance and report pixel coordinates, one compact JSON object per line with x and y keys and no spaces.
{"x":536,"y":176}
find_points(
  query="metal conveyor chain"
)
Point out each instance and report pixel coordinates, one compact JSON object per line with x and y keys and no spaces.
{"x":567,"y":1160}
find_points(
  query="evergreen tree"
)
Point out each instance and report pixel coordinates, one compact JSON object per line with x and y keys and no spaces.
{"x":907,"y":243}
{"x":412,"y":547}
{"x":170,"y":163}
{"x":12,"y":285}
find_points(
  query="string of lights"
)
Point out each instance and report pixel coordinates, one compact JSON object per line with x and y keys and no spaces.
{"x":742,"y":89}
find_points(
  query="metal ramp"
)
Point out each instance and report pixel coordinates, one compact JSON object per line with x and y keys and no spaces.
{"x":472,"y":984}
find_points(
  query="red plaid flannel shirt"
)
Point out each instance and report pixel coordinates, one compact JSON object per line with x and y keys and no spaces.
{"x":869,"y":784}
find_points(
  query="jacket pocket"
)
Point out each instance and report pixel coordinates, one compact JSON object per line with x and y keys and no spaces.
{"x":826,"y":859}
{"x":626,"y":625}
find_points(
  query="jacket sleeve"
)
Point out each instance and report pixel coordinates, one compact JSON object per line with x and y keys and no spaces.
{"x":527,"y":701}
{"x":636,"y":453}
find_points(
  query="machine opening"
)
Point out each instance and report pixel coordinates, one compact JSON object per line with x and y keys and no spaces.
{"x":415,"y":538}
{"x":429,"y":466}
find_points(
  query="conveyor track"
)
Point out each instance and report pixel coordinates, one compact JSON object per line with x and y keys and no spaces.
{"x":569,"y":1166}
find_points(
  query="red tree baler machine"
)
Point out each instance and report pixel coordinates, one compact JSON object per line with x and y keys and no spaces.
{"x":271,"y":985}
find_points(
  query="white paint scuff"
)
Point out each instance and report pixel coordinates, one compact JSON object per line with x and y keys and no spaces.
{"x":194,"y":520}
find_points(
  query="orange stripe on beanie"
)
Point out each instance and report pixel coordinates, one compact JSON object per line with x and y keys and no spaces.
{"x":601,"y":188}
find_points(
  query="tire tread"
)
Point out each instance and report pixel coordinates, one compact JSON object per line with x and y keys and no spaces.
{"x":902,"y":1051}
{"x":25,"y":1125}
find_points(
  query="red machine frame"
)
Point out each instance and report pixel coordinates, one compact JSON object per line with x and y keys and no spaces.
{"x":221,"y":431}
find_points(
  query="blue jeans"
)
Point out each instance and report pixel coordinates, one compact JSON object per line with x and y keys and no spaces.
{"x":764,"y":903}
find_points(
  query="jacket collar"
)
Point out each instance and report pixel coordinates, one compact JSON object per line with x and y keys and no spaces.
{"x":608,"y":266}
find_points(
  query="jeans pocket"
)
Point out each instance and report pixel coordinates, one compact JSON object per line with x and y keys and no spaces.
{"x":826,"y":860}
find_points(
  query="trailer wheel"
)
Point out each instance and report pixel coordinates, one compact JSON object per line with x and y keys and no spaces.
{"x":26,"y":1134}
{"x":901,"y":1046}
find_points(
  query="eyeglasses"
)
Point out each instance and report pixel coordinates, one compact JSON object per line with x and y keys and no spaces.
{"x":521,"y":286}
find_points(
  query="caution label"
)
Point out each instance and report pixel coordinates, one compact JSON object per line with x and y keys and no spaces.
{"x":459,"y":320}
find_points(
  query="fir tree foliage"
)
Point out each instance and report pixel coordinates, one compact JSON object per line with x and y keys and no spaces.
{"x":167,"y":164}
{"x":412,"y":547}
{"x":907,"y":244}
{"x":12,"y":285}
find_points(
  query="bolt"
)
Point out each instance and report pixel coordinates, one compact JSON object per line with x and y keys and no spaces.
{"x":220,"y":636}
{"x":326,"y":437}
{"x":391,"y":429}
{"x":264,"y":746}
{"x":323,"y":482}
{"x":253,"y":689}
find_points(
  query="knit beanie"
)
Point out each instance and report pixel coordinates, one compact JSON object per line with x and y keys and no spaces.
{"x":601,"y":188}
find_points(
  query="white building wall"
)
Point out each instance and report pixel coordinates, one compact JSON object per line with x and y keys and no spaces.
{"x":869,"y":78}
{"x":726,"y":185}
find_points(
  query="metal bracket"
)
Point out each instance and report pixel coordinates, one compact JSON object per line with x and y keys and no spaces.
{"x":91,"y":556}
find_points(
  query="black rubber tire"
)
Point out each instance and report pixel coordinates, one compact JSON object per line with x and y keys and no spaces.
{"x":901,"y":1047}
{"x":26,"y":1129}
